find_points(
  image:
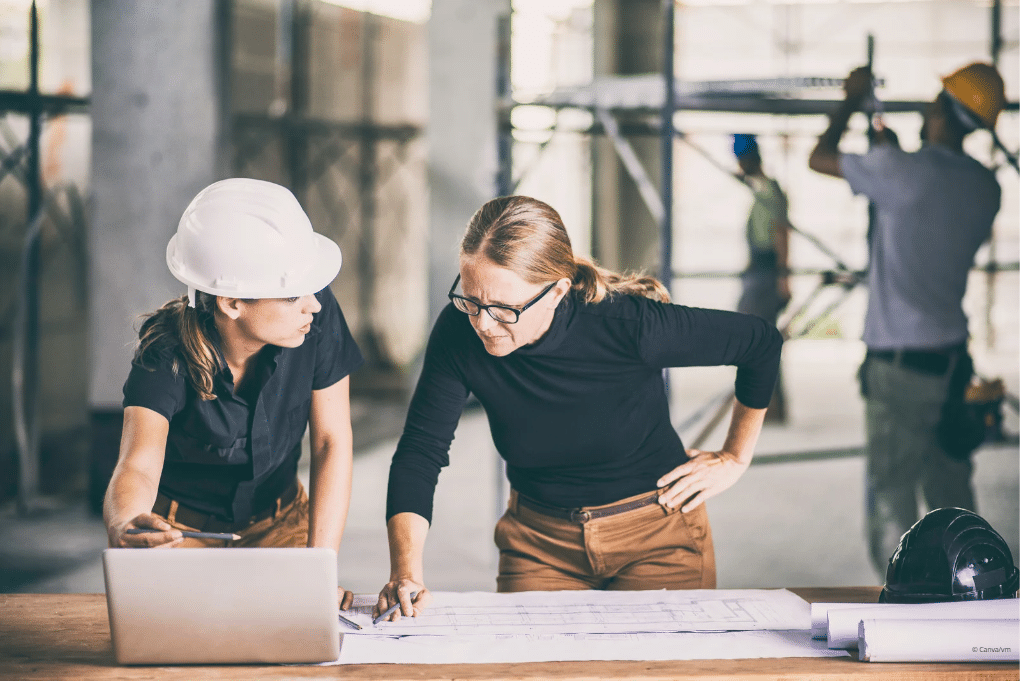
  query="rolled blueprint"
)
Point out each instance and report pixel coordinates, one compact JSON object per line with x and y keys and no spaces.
{"x":890,"y":640}
{"x":820,"y":616}
{"x":843,"y":623}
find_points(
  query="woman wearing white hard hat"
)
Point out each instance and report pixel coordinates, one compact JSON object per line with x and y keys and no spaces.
{"x":225,"y":380}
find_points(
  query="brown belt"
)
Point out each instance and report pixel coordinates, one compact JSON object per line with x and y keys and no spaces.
{"x":580,"y":515}
{"x":206,"y":522}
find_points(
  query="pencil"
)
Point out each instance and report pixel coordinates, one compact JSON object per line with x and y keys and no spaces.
{"x":390,"y":610}
{"x":225,"y":536}
{"x":349,"y":622}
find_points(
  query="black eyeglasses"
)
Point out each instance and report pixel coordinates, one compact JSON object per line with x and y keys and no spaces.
{"x":501,"y":313}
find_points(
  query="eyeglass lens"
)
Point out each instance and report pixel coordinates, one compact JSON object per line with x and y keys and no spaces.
{"x":500,"y":314}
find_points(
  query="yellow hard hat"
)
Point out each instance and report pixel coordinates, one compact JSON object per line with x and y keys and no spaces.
{"x":979,"y":88}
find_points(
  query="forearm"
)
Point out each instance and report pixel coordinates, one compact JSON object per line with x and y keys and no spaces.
{"x":131,"y":492}
{"x":825,"y":156}
{"x":329,"y":493}
{"x":745,"y":426}
{"x":838,"y":121}
{"x":406,"y":533}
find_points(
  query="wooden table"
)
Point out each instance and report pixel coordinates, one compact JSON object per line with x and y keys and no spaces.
{"x":67,"y":636}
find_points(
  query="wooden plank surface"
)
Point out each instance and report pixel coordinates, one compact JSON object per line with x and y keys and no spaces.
{"x":67,"y":636}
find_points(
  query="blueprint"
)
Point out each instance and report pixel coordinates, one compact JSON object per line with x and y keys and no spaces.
{"x":493,"y":649}
{"x":596,"y":612}
{"x":484,"y":627}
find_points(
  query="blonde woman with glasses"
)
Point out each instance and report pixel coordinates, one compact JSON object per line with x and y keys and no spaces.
{"x":567,"y":358}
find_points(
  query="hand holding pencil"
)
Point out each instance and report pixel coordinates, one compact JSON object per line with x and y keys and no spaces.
{"x":146,"y":530}
{"x":400,"y":597}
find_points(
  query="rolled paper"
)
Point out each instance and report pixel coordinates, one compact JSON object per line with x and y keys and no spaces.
{"x":960,"y":640}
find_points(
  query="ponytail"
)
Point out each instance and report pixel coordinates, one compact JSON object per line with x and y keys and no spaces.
{"x":594,"y":283}
{"x":527,"y":236}
{"x":191,"y":332}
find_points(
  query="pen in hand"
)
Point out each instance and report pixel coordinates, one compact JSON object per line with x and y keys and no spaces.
{"x":225,"y":536}
{"x":390,"y":610}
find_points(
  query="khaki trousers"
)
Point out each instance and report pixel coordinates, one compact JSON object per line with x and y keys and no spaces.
{"x":287,"y":528}
{"x":648,"y":548}
{"x":902,"y":411}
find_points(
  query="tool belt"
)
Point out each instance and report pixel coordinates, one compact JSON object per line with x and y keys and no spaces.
{"x":206,"y":522}
{"x":581,"y":515}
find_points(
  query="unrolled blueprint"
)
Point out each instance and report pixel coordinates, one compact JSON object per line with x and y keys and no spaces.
{"x":729,"y":645}
{"x":598,"y":612}
{"x":588,"y":625}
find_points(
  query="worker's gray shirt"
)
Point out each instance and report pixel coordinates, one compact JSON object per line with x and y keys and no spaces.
{"x":934,"y":208}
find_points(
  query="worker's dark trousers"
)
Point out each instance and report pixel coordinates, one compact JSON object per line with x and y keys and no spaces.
{"x":647,"y":548}
{"x":902,"y":410}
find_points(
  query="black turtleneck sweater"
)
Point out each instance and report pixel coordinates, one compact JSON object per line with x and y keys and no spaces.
{"x":581,"y":415}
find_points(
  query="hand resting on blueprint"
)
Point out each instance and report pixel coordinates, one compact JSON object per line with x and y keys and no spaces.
{"x":406,"y":533}
{"x":400,"y":590}
{"x":344,"y":598}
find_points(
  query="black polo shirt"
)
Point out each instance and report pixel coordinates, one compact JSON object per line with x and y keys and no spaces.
{"x":233,"y":456}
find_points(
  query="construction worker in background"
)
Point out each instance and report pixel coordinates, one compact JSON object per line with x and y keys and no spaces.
{"x":765,"y":284}
{"x":934,"y":208}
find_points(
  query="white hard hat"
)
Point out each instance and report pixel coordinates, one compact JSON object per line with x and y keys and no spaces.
{"x":244,"y":238}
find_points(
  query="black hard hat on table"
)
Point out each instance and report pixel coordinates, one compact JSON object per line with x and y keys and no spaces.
{"x":950,"y":554}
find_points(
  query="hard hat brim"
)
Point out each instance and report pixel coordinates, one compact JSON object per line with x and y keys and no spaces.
{"x":327,"y":263}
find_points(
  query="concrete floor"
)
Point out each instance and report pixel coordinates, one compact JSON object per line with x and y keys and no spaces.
{"x":783,"y":524}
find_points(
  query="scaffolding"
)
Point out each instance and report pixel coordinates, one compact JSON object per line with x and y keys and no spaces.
{"x":622,"y":107}
{"x":340,"y":164}
{"x":20,"y":159}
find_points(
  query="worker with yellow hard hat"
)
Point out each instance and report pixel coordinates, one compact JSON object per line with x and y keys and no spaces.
{"x":934,"y":208}
{"x":226,"y":379}
{"x":977,"y":93}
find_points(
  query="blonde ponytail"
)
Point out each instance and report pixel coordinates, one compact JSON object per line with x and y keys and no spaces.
{"x":527,"y":236}
{"x":595,"y":283}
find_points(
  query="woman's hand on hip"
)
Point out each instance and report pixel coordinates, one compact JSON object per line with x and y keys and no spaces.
{"x":164,"y":537}
{"x":399,"y":591}
{"x":703,"y":476}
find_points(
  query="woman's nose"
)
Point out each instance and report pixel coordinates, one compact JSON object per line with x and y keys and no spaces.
{"x":483,"y":321}
{"x":312,"y":304}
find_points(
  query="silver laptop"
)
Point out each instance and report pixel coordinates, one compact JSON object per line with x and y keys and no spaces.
{"x":187,"y":606}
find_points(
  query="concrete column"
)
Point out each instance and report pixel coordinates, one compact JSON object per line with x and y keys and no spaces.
{"x":627,"y":41}
{"x":462,"y":128}
{"x":158,"y":112}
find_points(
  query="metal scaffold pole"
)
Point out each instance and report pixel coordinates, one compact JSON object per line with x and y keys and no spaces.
{"x":505,"y":184}
{"x":666,"y":137}
{"x":26,"y":355}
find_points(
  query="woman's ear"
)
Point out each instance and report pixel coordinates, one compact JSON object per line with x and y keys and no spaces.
{"x":561,"y":289}
{"x":231,"y":307}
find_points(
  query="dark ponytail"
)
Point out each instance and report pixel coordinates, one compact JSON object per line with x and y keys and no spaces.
{"x":191,"y":332}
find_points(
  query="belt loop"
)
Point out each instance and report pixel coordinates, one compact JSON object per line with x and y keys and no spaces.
{"x":171,"y":515}
{"x":276,"y":513}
